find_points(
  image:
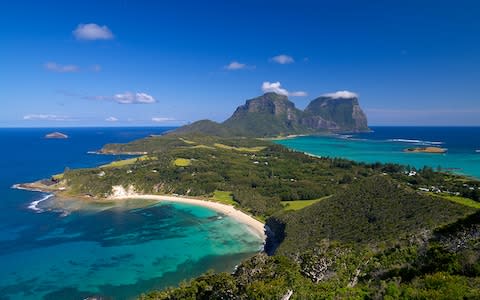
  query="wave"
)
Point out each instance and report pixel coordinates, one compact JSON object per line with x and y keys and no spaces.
{"x":477,"y":151}
{"x":417,"y":142}
{"x":34,"y":204}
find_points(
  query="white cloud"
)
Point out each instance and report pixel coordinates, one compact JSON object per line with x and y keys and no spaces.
{"x":46,"y":117}
{"x":283,"y":59}
{"x":111,"y":119}
{"x":122,"y":98}
{"x":162,"y":119}
{"x":341,"y":95}
{"x":235,"y":65}
{"x":276,"y":87}
{"x":92,"y":32}
{"x":131,"y":98}
{"x":54,"y":67}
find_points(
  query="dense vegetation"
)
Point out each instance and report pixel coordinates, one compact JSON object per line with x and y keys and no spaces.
{"x":259,"y":174}
{"x":373,"y":211}
{"x":362,"y":231}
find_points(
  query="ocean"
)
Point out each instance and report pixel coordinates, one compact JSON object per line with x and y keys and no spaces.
{"x":386,"y":145}
{"x":115,"y":251}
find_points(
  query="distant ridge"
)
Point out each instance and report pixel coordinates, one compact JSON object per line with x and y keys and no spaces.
{"x":275,"y":115}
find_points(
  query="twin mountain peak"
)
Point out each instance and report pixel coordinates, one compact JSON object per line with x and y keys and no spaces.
{"x":275,"y":115}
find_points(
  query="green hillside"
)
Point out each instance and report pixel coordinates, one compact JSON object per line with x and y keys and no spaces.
{"x":372,"y":211}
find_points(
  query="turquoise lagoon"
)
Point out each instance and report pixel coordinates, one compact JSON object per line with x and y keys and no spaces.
{"x":116,"y":251}
{"x":386,"y":145}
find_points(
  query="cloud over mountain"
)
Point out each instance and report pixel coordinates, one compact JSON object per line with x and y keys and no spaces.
{"x":341,"y":95}
{"x":276,"y":87}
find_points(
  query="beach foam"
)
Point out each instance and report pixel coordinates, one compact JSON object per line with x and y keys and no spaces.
{"x":417,"y":142}
{"x":34,"y":204}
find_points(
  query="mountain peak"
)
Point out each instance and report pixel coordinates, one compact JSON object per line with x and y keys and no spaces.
{"x":273,"y":114}
{"x":270,"y":103}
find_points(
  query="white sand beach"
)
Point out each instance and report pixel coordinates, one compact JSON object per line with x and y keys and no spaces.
{"x":253,"y":224}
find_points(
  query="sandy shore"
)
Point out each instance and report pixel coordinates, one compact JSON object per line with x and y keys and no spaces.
{"x":254,"y":225}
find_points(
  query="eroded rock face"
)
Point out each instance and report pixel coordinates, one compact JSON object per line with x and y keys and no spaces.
{"x":118,"y":191}
{"x":269,"y":103}
{"x":338,"y":114}
{"x":275,"y":114}
{"x":272,"y":115}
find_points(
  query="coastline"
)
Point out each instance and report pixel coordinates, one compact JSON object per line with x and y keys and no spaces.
{"x":255,"y":226}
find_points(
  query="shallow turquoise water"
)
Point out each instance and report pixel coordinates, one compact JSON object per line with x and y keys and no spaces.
{"x":116,"y":251}
{"x":122,"y":253}
{"x":387,"y":144}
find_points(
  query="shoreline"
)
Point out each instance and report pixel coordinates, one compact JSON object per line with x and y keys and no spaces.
{"x":255,"y":226}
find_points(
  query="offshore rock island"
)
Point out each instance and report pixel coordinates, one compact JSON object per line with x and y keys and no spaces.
{"x":335,"y":227}
{"x":436,"y":150}
{"x":56,"y":135}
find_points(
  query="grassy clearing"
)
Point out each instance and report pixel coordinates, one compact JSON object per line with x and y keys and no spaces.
{"x":460,"y":200}
{"x":187,"y":141}
{"x":241,"y":149}
{"x":126,"y":162}
{"x":223,"y":197}
{"x":299,"y":204}
{"x":202,"y":147}
{"x":182,"y":162}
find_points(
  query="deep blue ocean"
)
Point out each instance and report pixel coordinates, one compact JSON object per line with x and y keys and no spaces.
{"x":116,"y":251}
{"x":387,"y":144}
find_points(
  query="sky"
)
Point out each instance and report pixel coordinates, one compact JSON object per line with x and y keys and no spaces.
{"x":168,"y":63}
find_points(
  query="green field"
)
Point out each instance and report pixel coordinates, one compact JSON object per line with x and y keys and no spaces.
{"x":125,"y":162}
{"x":182,"y":162}
{"x":299,"y":204}
{"x":240,"y":149}
{"x":223,"y":197}
{"x":461,"y":200}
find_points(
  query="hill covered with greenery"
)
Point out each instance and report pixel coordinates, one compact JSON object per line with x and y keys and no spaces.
{"x":372,"y":211}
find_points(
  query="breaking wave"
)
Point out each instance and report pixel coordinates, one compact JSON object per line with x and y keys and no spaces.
{"x":416,"y":142}
{"x":34,"y":205}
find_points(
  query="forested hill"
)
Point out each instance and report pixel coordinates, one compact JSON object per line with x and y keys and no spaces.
{"x":273,"y":115}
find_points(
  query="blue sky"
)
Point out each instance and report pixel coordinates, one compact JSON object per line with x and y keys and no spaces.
{"x":132,"y":63}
